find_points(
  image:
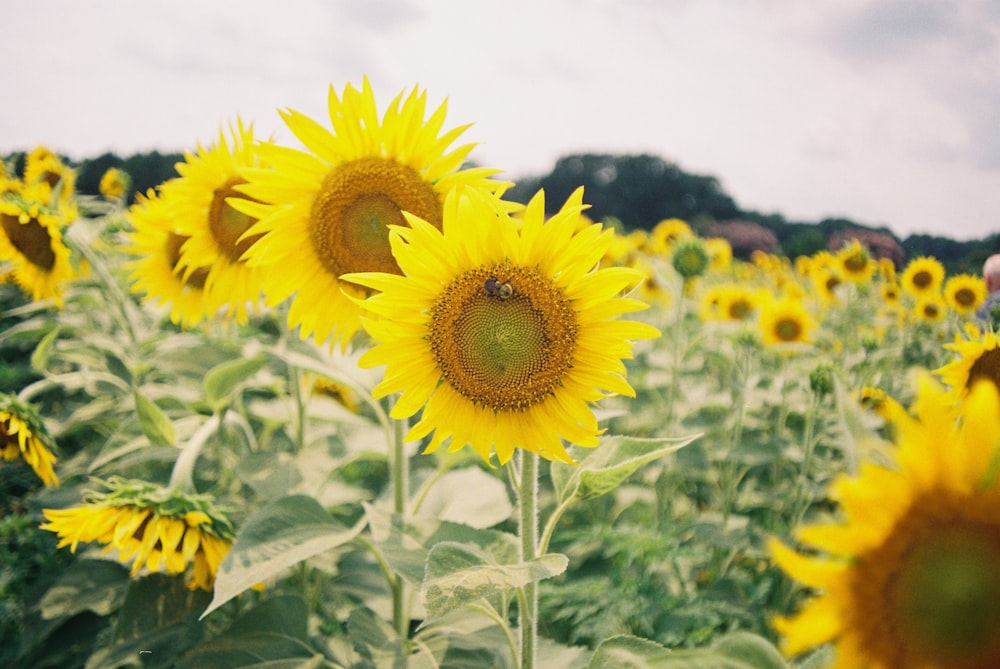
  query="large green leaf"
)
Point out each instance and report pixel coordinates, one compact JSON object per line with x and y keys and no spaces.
{"x":740,"y":650}
{"x":284,"y":533}
{"x":604,"y":468}
{"x":223,"y":379}
{"x":459,"y":574}
{"x":40,"y":356}
{"x":469,"y":496}
{"x":95,"y":585}
{"x":405,"y":544}
{"x":155,"y":424}
{"x":274,"y":633}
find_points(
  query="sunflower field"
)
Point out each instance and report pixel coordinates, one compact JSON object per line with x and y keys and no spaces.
{"x":345,"y":406}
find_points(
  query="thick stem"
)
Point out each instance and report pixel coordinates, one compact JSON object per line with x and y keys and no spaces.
{"x":528,"y":532}
{"x":400,"y":492}
{"x":182,"y":475}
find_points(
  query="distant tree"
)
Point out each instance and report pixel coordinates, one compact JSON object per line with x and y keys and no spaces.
{"x":641,"y":190}
{"x":151,"y":169}
{"x":804,"y":242}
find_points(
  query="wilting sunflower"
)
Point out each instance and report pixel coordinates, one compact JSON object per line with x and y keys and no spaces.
{"x":856,"y":263}
{"x":785,"y":321}
{"x":23,"y":436}
{"x":922,"y":276}
{"x":908,"y":577}
{"x":325,"y":212}
{"x":114,"y":183}
{"x":964,"y":293}
{"x":979,"y":360}
{"x":213,"y":229}
{"x":153,"y":528}
{"x":157,"y":272}
{"x":502,"y":331}
{"x":31,"y":239}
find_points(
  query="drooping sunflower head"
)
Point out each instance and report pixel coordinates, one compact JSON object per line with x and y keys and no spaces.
{"x":31,"y":239}
{"x":158,"y":271}
{"x":502,"y":331}
{"x":908,"y":578}
{"x":326,"y":211}
{"x":856,"y":262}
{"x":964,"y":293}
{"x":23,"y":436}
{"x":152,"y":528}
{"x":785,"y":322}
{"x":978,"y":360}
{"x":922,"y":276}
{"x":215,"y":232}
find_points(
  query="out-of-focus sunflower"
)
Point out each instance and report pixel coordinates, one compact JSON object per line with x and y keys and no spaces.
{"x":153,"y":528}
{"x":689,"y":257}
{"x":157,"y":271}
{"x":201,"y":202}
{"x":964,"y":293}
{"x":720,"y":253}
{"x":908,"y":577}
{"x":23,"y":436}
{"x":891,"y":293}
{"x":31,"y":239}
{"x":503,"y":332}
{"x":326,"y":212}
{"x":666,"y":232}
{"x":826,"y":279}
{"x":922,"y":276}
{"x":856,"y":262}
{"x":41,"y":166}
{"x":732,"y":302}
{"x":930,"y":308}
{"x":114,"y":184}
{"x":978,"y":360}
{"x":784,"y":321}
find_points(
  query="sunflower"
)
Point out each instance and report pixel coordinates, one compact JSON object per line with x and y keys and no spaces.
{"x":908,"y":578}
{"x":979,"y":360}
{"x":922,"y":276}
{"x":31,"y":240}
{"x":964,"y":293}
{"x":785,"y":321}
{"x":502,"y":330}
{"x":161,"y":530}
{"x":157,"y":271}
{"x":891,"y":293}
{"x":326,"y":212}
{"x":729,"y":302}
{"x":114,"y":184}
{"x":856,"y":263}
{"x":214,"y":231}
{"x":41,"y":166}
{"x":720,"y":251}
{"x":666,"y":232}
{"x":689,"y":257}
{"x":930,"y":308}
{"x":23,"y":435}
{"x":826,"y":279}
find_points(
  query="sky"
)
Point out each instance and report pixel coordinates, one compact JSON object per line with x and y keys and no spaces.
{"x":883,"y":111}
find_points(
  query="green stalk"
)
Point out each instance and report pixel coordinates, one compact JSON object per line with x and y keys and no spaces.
{"x":400,"y":492}
{"x":182,"y":475}
{"x":528,"y":533}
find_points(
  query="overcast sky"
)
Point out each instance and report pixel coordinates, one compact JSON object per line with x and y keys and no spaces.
{"x":887,"y":112}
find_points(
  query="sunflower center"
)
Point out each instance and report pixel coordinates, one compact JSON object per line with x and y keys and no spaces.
{"x":931,"y":311}
{"x":965,"y":297}
{"x":987,"y":367}
{"x":195,"y":279}
{"x":945,"y":598}
{"x":788,"y":329}
{"x":738,"y":309}
{"x":503,"y":336}
{"x":922,"y":279}
{"x":856,"y":263}
{"x":227,"y":224}
{"x":358,"y":201}
{"x":31,"y":240}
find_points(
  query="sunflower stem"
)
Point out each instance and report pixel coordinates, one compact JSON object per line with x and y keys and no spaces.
{"x":400,"y":493}
{"x":182,"y":475}
{"x":528,"y":532}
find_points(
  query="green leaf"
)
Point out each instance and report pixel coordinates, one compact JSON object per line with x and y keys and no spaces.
{"x":604,"y":468}
{"x":273,"y":634}
{"x":459,"y":574}
{"x":284,"y":533}
{"x":222,"y":380}
{"x":40,"y":356}
{"x":155,"y":424}
{"x":94,"y":585}
{"x":374,"y":639}
{"x":740,"y":650}
{"x":469,"y":496}
{"x":405,"y":544}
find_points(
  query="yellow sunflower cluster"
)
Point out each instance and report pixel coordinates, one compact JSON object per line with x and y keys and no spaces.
{"x":34,"y":213}
{"x":23,"y":437}
{"x":151,"y":528}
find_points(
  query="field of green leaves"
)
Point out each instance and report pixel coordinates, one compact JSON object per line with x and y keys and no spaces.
{"x":186,"y":485}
